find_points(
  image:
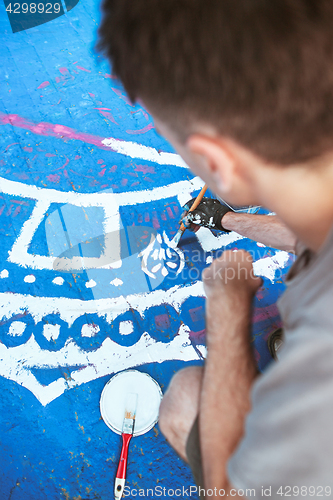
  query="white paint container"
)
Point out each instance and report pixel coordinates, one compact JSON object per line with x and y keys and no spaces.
{"x":113,"y":401}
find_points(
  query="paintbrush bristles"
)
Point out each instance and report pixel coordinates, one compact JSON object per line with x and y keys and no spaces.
{"x":176,"y":239}
{"x":131,"y":404}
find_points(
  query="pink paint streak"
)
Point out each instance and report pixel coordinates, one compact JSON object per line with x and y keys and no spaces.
{"x":156,"y":224}
{"x":170,"y":213}
{"x":198,"y":337}
{"x":12,"y":144}
{"x":83,"y":69}
{"x":264,"y":313}
{"x":144,"y":169}
{"x":22,"y":176}
{"x":43,"y":85}
{"x":107,"y":115}
{"x":27,"y":149}
{"x":53,"y":177}
{"x":17,"y":211}
{"x":51,"y":130}
{"x":122,"y":96}
{"x":65,"y":164}
{"x":141,"y":131}
{"x":145,"y":114}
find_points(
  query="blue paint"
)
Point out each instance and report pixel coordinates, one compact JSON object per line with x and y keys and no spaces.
{"x":64,"y":449}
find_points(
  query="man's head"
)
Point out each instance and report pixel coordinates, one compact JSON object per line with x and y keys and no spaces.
{"x":257,"y":74}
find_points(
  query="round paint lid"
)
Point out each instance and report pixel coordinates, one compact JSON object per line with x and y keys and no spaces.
{"x":113,"y":400}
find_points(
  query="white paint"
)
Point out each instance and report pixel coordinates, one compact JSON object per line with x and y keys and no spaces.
{"x":58,"y":280}
{"x":4,"y":273}
{"x":210,"y":242}
{"x":184,"y":197}
{"x":110,"y":202}
{"x":145,"y":394}
{"x":164,"y":272}
{"x":268,"y":266}
{"x":156,"y":268}
{"x":149,"y":251}
{"x":16,"y":362}
{"x":155,"y":254}
{"x":51,"y":332}
{"x":209,"y":259}
{"x":195,"y":218}
{"x":116,"y":282}
{"x":203,"y":350}
{"x":126,"y":327}
{"x":17,"y":328}
{"x":109,"y":358}
{"x":71,"y":309}
{"x":135,"y":150}
{"x":171,"y":264}
{"x":91,"y":284}
{"x":30,"y":278}
{"x":48,"y":196}
{"x":89,"y":330}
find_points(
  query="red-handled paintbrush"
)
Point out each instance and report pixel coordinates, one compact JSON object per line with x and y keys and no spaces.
{"x":128,"y":429}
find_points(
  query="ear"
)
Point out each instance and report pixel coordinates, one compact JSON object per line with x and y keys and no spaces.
{"x":216,"y":160}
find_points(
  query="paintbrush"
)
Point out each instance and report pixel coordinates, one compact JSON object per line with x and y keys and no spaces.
{"x":174,"y":242}
{"x":128,"y":429}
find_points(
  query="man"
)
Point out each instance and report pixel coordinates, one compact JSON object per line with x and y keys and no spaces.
{"x":244,"y":91}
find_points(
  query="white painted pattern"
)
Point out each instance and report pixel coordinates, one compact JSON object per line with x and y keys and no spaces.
{"x":17,"y":362}
{"x":109,"y":202}
{"x":89,"y":330}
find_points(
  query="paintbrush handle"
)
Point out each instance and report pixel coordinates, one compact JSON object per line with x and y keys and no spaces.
{"x":195,"y":204}
{"x":122,"y":466}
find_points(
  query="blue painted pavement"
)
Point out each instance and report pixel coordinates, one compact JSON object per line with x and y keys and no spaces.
{"x":89,"y":285}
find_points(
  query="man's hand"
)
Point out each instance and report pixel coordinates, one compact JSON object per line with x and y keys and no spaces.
{"x":209,"y":214}
{"x":232,"y":272}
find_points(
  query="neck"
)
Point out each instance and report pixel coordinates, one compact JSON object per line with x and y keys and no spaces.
{"x":302,"y":197}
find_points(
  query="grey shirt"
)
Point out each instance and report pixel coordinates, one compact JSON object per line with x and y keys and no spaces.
{"x":288,"y":440}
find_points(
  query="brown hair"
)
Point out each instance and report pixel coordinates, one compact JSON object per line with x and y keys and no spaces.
{"x":259,"y":71}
